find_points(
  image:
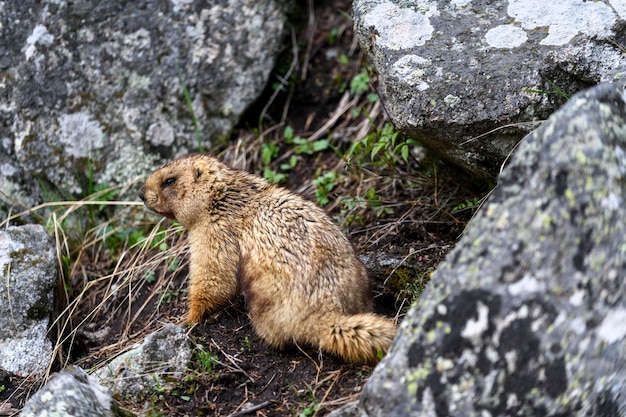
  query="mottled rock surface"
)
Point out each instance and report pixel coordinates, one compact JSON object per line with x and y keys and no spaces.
{"x":459,"y":75}
{"x":94,"y":87}
{"x":132,"y":375}
{"x":526,"y":316}
{"x":28,"y":265}
{"x":71,"y":393}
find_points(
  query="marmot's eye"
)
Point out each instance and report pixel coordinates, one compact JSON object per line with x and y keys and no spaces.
{"x":168,"y":182}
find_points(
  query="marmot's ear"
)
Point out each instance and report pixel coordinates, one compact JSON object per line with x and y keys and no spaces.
{"x":200,"y":168}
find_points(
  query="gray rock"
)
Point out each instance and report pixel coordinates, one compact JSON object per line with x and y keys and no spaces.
{"x":458,"y":75}
{"x":71,"y":393}
{"x":526,"y":315}
{"x":91,"y":86}
{"x":134,"y":374}
{"x":28,"y":265}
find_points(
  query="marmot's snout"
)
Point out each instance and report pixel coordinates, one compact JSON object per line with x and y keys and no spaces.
{"x":142,"y":193}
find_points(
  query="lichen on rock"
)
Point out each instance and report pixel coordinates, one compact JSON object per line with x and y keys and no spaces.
{"x":28,"y":271}
{"x":509,"y":64}
{"x":526,"y":315}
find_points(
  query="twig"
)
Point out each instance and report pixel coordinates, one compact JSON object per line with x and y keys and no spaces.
{"x":343,"y":106}
{"x":332,"y":384}
{"x":310,"y":31}
{"x":283,"y":80}
{"x":498,"y":128}
{"x":249,"y":410}
{"x":232,"y":361}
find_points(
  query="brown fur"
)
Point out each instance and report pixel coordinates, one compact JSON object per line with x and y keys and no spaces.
{"x":299,"y":275}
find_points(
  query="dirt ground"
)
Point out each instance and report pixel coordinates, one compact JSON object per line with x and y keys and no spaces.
{"x":242,"y":375}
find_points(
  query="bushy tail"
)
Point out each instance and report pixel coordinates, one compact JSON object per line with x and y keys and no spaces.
{"x":357,"y":338}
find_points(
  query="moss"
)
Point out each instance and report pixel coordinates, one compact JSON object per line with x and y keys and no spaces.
{"x":25,"y":256}
{"x":38,"y":311}
{"x":20,"y":254}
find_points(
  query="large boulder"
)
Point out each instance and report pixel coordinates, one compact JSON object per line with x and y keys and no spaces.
{"x":100,"y":92}
{"x":28,"y":265}
{"x":469,"y":79}
{"x":526,"y":316}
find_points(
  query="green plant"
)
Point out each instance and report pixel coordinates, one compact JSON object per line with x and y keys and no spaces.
{"x":173,"y":263}
{"x":313,"y":404}
{"x":166,"y":295}
{"x":149,"y":276}
{"x":310,"y":409}
{"x":332,"y":35}
{"x":467,"y":205}
{"x":555,"y":91}
{"x":384,"y":148}
{"x":411,"y":283}
{"x":205,"y":360}
{"x":300,"y":146}
{"x":272,"y":176}
{"x":353,"y":208}
{"x":157,"y":396}
{"x":324,"y":185}
{"x":269,"y":151}
{"x":376,"y":204}
{"x":360,"y":83}
{"x":189,"y":104}
{"x":389,"y":147}
{"x":303,"y":146}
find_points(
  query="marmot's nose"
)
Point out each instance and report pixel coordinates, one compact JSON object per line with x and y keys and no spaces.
{"x":142,"y":194}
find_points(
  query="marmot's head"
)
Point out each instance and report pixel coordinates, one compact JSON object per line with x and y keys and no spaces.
{"x":185,"y":188}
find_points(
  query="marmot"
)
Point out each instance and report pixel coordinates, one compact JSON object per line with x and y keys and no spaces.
{"x":300,"y":277}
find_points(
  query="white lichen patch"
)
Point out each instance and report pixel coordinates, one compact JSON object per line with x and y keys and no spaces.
{"x":39,"y":36}
{"x":413,"y":70}
{"x":401,"y":28}
{"x":577,"y":326}
{"x":511,"y":360}
{"x":577,"y":298}
{"x":506,"y":36}
{"x":564,"y":18}
{"x":611,"y":202}
{"x":178,"y":5}
{"x":161,"y":133}
{"x":28,"y":353}
{"x":80,"y":133}
{"x":451,"y":100}
{"x":475,"y":328}
{"x":527,"y":285}
{"x":7,"y":245}
{"x":460,"y":3}
{"x":612,"y":328}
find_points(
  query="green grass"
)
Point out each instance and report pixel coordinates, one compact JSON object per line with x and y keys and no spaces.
{"x":554,"y":90}
{"x":192,"y":113}
{"x":205,"y":360}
